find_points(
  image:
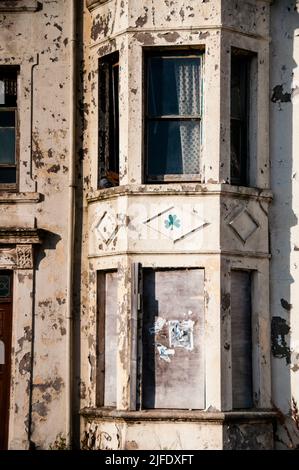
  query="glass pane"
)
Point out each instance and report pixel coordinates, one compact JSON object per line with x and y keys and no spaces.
{"x":114,"y":122}
{"x":7,"y":118}
{"x":7,"y":146}
{"x":4,"y":285}
{"x":173,"y":147}
{"x":174,"y":86}
{"x":8,"y":175}
{"x":108,"y":121}
{"x":239,"y":88}
{"x":236,"y":151}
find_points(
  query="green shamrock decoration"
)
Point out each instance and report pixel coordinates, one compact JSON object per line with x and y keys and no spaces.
{"x":172,"y":222}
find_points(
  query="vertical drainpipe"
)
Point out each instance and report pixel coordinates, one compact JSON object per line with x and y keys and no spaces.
{"x":71,"y":223}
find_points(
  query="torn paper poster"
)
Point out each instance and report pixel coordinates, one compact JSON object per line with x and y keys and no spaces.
{"x":159,"y":323}
{"x":164,"y":352}
{"x":181,"y":334}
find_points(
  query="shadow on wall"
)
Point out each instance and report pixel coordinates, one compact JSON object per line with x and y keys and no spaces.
{"x":78,"y":387}
{"x":285,"y":361}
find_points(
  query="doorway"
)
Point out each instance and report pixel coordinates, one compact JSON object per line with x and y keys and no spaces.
{"x":5,"y":353}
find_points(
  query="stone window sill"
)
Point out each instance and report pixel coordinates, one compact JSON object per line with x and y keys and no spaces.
{"x":19,"y":5}
{"x":20,"y":198}
{"x":183,"y":188}
{"x":180,"y":415}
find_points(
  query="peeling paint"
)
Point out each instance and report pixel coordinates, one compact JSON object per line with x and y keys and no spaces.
{"x":164,"y":352}
{"x":279,"y":330}
{"x":279,"y":96}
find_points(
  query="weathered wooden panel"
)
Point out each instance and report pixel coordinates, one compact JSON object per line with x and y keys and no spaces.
{"x":136,"y":273}
{"x":241,"y":339}
{"x":173,"y":339}
{"x":110,"y":339}
{"x":107,"y":339}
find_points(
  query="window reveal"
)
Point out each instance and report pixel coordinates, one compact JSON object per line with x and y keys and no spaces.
{"x":109,"y":121}
{"x":173,"y":116}
{"x":8,"y":127}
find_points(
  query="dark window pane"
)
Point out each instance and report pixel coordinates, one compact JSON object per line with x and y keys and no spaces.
{"x":174,"y":86}
{"x":173,"y":114}
{"x":174,"y":147}
{"x":239,"y":88}
{"x":8,"y":175}
{"x":114,"y":122}
{"x":108,"y":121}
{"x":4,"y":285}
{"x":7,"y":118}
{"x":239,"y":119}
{"x":236,"y":150}
{"x":7,"y":146}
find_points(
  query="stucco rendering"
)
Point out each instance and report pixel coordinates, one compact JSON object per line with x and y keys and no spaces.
{"x":148,"y":224}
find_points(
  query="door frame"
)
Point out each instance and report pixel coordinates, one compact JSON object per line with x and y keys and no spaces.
{"x":8,"y":301}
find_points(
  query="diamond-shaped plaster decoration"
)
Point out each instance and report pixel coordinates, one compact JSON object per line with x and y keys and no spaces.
{"x":107,"y":227}
{"x":176,"y":223}
{"x":244,"y":225}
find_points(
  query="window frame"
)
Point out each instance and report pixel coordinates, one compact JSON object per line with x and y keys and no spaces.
{"x":246,"y":57}
{"x":12,"y":187}
{"x":107,"y":152}
{"x":177,"y":52}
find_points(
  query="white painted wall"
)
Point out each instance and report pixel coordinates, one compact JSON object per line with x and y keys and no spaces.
{"x":284,"y":213}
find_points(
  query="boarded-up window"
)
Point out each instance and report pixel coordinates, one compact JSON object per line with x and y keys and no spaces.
{"x":241,"y":339}
{"x":107,"y":338}
{"x":173,"y":339}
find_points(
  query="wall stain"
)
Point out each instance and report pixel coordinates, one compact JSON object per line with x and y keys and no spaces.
{"x":279,"y":96}
{"x":279,"y":347}
{"x":285,"y":305}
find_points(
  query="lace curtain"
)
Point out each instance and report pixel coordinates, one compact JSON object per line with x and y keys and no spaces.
{"x":187,"y":77}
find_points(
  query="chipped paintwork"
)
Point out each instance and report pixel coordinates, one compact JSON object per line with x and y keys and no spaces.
{"x":279,"y":330}
{"x":37,"y":37}
{"x":116,"y":233}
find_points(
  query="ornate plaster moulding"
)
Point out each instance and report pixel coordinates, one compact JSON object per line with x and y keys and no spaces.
{"x":22,"y":236}
{"x":20,"y":6}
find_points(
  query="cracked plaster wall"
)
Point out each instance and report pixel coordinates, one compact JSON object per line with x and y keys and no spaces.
{"x":37,"y":37}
